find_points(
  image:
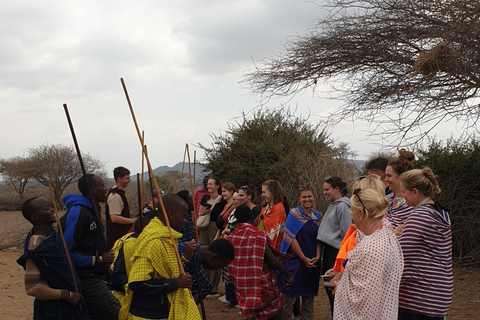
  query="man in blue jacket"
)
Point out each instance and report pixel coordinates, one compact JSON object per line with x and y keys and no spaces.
{"x":83,"y":234}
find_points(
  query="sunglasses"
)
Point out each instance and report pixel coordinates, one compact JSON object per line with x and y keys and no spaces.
{"x":356,"y":192}
{"x":373,"y":176}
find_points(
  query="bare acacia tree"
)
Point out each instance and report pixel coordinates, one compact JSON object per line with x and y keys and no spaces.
{"x":403,"y":65}
{"x":59,"y":164}
{"x":17,"y":172}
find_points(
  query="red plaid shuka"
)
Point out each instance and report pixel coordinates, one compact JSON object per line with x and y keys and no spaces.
{"x":254,"y":280}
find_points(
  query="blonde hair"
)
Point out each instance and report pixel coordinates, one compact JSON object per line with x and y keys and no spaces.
{"x":424,"y":180}
{"x":375,"y":203}
{"x":369,"y":182}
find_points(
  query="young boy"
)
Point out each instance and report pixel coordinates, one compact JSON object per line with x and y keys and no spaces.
{"x":48,"y":276}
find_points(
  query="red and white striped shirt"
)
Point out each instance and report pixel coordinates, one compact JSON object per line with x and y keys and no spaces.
{"x":398,"y":210}
{"x":427,"y":282}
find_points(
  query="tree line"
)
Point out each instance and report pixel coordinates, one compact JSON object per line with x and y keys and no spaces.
{"x":55,"y":163}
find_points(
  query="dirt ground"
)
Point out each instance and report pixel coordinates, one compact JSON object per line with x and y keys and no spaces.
{"x":15,"y":304}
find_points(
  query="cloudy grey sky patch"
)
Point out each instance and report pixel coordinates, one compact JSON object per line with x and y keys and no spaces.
{"x":182,"y":62}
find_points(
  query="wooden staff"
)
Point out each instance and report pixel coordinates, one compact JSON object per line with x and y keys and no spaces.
{"x":167,"y":221}
{"x":183,"y":165}
{"x":59,"y":225}
{"x":82,"y":166}
{"x":192,"y":188}
{"x":254,"y":316}
{"x":139,"y":196}
{"x":194,"y":162}
{"x":151,"y":183}
{"x":143,"y":157}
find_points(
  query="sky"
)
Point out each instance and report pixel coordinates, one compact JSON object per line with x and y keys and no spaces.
{"x":182,"y":62}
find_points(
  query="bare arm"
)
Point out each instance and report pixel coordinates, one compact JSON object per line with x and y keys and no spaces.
{"x":121,"y":220}
{"x":274,"y":263}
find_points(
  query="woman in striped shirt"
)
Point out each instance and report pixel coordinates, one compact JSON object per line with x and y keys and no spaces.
{"x":398,"y":210}
{"x":426,"y":240}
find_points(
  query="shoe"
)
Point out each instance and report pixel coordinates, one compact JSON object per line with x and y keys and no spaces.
{"x":222,"y":299}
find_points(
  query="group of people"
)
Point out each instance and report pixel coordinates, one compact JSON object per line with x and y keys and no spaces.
{"x":383,"y":253}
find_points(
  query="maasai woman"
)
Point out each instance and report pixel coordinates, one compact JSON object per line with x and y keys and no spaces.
{"x":334,"y":225}
{"x":272,"y":218}
{"x":426,"y":239}
{"x":299,"y":239}
{"x":369,"y":286}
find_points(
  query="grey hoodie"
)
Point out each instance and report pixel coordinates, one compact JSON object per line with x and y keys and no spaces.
{"x":335,"y":223}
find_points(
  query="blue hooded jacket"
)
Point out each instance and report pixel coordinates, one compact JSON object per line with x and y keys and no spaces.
{"x":83,"y":234}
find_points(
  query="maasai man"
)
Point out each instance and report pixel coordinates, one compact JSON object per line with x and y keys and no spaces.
{"x":157,"y":289}
{"x":118,"y":217}
{"x":252,"y":270}
{"x":216,"y":255}
{"x":84,"y":237}
{"x":188,"y":230}
{"x":48,"y":276}
{"x":123,"y":250}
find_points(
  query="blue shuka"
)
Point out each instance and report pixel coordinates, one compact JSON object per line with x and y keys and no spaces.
{"x":304,"y":229}
{"x":50,"y":258}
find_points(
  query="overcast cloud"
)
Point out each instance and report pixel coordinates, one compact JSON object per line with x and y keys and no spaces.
{"x":181,"y":60}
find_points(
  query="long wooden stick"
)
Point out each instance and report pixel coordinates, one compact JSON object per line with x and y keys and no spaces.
{"x":143,"y":169}
{"x":202,"y":305}
{"x":151,"y":182}
{"x":181,"y":173}
{"x":139,"y":197}
{"x":82,"y":166}
{"x":192,"y":190}
{"x":167,"y":221}
{"x":59,"y":225}
{"x":267,"y":303}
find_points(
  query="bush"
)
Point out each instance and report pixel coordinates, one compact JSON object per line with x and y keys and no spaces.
{"x":276,"y":144}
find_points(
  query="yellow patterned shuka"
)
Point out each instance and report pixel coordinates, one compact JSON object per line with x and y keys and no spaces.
{"x":128,"y":244}
{"x":155,"y":257}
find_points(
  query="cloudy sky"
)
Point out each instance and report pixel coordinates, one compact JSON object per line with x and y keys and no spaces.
{"x":182,"y":62}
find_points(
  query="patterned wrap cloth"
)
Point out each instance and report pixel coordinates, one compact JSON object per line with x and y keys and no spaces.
{"x":128,"y":244}
{"x":272,"y":221}
{"x":155,"y":257}
{"x":254,"y":280}
{"x":370,"y":284}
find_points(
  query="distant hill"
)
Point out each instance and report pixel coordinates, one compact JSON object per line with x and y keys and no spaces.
{"x":359,"y":164}
{"x":199,"y":173}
